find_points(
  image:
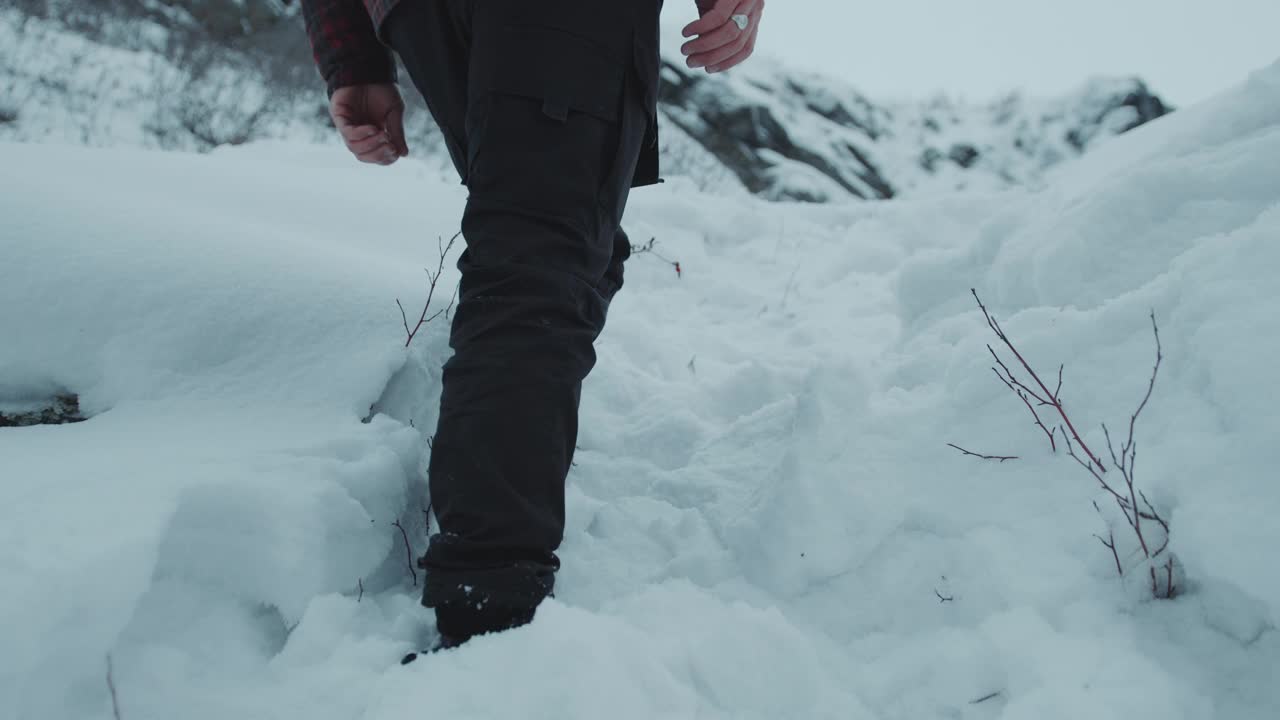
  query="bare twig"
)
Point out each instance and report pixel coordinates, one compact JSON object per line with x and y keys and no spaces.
{"x":943,"y":598}
{"x":787,"y":291}
{"x":360,"y":584}
{"x":408,"y":549}
{"x":1133,"y":420}
{"x":1154,"y":516}
{"x":1056,"y":401}
{"x":1132,"y":502}
{"x":1071,"y":451}
{"x":1126,"y":461}
{"x":1110,"y":544}
{"x":433,"y":279}
{"x":985,"y":698}
{"x":648,"y":248}
{"x":1001,"y":458}
{"x":1012,"y":380}
{"x":1018,"y":390}
{"x":111,"y":686}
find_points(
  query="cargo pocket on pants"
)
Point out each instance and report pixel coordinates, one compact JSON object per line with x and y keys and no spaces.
{"x":551,"y":121}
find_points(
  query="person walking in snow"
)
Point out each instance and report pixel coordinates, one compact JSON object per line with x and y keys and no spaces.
{"x":548,"y":109}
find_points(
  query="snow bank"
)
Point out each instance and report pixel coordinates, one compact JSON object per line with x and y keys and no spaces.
{"x":765,"y":520}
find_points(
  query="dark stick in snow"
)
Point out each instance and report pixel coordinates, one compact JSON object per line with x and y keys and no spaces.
{"x":1001,"y":458}
{"x":648,"y":248}
{"x":111,"y":685}
{"x":408,"y":550}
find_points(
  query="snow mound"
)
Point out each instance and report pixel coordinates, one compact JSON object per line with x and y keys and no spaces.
{"x":765,"y":519}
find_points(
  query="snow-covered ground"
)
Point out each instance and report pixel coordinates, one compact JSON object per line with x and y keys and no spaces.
{"x":765,"y":518}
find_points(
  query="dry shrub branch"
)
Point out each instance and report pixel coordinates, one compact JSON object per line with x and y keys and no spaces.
{"x":647,"y":248}
{"x":1150,"y":528}
{"x":433,"y":279}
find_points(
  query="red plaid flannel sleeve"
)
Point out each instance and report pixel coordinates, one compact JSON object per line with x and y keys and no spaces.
{"x":345,"y":44}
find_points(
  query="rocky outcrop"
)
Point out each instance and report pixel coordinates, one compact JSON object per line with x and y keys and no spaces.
{"x":197,"y":74}
{"x":796,"y":136}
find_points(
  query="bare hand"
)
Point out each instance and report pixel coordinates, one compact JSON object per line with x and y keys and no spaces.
{"x":721,"y":44}
{"x":370,"y":119}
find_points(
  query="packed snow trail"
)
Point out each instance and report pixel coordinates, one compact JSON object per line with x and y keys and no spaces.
{"x":764,"y":520}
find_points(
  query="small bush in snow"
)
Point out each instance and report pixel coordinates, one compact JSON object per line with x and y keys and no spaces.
{"x":211,"y":100}
{"x":1151,"y":555}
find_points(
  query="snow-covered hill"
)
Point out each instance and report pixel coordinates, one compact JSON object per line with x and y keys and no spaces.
{"x":765,"y":520}
{"x":154,"y":75}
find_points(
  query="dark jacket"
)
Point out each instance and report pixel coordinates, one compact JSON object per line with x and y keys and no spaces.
{"x":348,"y":48}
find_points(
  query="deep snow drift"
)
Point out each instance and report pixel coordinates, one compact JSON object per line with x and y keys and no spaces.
{"x":765,"y":519}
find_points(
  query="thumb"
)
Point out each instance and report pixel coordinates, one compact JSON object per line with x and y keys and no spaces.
{"x":395,"y":130}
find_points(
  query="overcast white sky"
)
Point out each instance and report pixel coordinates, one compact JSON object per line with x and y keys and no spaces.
{"x":1185,"y":49}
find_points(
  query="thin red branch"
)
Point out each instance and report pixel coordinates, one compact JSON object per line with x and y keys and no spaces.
{"x":1111,"y":447}
{"x":1053,"y":444}
{"x":1013,"y":381}
{"x":1137,"y":519}
{"x":1057,"y":401}
{"x":1130,"y":502}
{"x":1151,"y":513}
{"x":1071,"y":451}
{"x":1110,"y":544}
{"x":1133,"y":419}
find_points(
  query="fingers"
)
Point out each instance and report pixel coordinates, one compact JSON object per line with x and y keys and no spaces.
{"x":735,"y":59}
{"x":721,"y":44}
{"x":365,"y":139}
{"x":714,"y":18}
{"x":394,"y":124}
{"x":698,"y":49}
{"x":369,"y":143}
{"x":370,"y":120}
{"x":716,"y":58}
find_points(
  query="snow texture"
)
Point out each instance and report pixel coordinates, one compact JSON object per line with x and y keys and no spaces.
{"x":764,"y":519}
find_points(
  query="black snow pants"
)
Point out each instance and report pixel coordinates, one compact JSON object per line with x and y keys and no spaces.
{"x":548,"y":108}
